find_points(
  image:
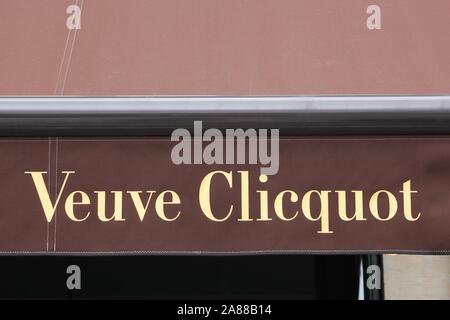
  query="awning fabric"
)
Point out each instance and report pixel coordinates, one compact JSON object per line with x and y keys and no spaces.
{"x":125,"y":195}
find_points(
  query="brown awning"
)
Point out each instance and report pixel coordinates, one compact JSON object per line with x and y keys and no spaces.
{"x":124,"y":195}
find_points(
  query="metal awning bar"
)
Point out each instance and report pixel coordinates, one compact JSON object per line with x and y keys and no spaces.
{"x":116,"y":116}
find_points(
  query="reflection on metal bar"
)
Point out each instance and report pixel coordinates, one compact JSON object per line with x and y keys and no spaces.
{"x":81,"y":116}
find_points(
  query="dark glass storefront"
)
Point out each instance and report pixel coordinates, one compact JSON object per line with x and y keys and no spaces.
{"x":158,"y":277}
